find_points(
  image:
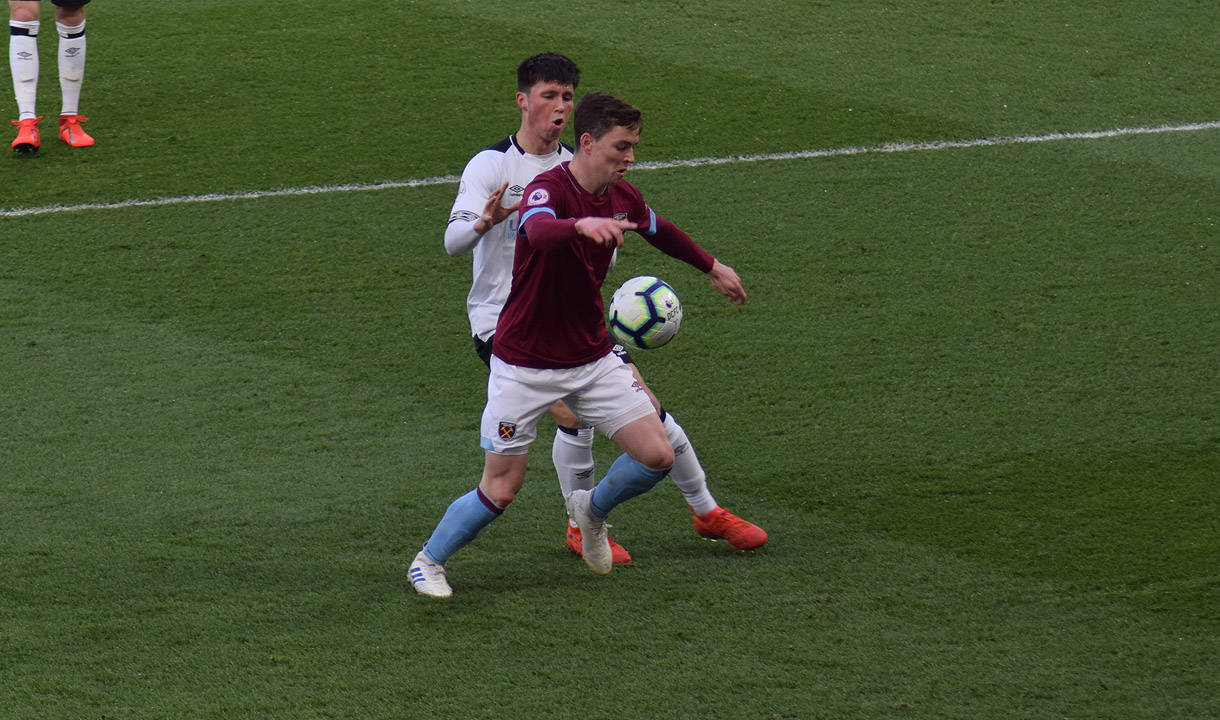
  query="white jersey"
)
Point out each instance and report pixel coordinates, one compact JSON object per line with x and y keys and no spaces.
{"x":504,"y":162}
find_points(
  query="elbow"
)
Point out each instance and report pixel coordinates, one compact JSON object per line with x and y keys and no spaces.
{"x":455,"y":244}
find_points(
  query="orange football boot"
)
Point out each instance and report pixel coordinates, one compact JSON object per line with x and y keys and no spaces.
{"x":720,"y":524}
{"x":27,"y":135}
{"x":72,"y":133}
{"x":618,"y":553}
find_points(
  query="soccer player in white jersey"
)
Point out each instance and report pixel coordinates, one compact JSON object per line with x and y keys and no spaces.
{"x":23,"y":62}
{"x":484,"y":221}
{"x":552,"y":343}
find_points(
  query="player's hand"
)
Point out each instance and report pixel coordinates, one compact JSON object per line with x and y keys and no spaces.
{"x":493,"y":212}
{"x":725,"y":281}
{"x":604,"y":231}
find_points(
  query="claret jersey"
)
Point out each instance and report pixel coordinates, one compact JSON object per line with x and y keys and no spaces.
{"x":554,"y":316}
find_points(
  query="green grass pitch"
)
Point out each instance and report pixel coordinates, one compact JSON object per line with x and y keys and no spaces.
{"x":973,"y":396}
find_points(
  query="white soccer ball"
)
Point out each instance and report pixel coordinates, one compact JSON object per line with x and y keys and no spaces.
{"x":645,"y":313}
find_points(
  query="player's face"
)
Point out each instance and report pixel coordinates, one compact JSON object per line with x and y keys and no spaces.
{"x":611,"y":154}
{"x":547,"y":107}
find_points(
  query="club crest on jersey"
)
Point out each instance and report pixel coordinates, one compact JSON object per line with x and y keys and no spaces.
{"x":539,"y":196}
{"x":620,"y":216}
{"x":507,"y":430}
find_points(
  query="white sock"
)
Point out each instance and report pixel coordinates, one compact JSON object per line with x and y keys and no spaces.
{"x":23,"y":61}
{"x":688,"y":474}
{"x":71,"y":65}
{"x":573,"y":458}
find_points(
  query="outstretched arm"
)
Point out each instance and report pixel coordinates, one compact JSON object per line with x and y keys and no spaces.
{"x":545,"y":231}
{"x":725,"y":281}
{"x":671,"y":240}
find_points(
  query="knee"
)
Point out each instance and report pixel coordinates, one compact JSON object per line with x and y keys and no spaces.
{"x":70,"y":15}
{"x":659,"y":457}
{"x":501,"y":488}
{"x":499,"y":492}
{"x":23,"y":11}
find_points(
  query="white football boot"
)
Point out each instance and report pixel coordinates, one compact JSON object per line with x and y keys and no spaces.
{"x":429,"y":577}
{"x":594,"y":541}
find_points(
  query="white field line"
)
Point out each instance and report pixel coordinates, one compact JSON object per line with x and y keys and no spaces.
{"x":895,"y":147}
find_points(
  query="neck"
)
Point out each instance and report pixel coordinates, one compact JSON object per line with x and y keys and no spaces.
{"x":584,"y":177}
{"x":535,"y":145}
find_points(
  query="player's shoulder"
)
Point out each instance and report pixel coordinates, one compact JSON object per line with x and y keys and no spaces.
{"x":547,"y":188}
{"x":491,"y":156}
{"x":485,"y":168}
{"x":502,"y":146}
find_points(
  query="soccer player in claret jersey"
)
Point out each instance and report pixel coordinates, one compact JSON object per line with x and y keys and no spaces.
{"x":551,"y":341}
{"x":23,"y":62}
{"x":484,"y":221}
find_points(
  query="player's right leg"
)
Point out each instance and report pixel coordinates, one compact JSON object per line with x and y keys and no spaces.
{"x":464,"y":519}
{"x":615,"y":403}
{"x":70,"y":23}
{"x":516,"y":400}
{"x":572,"y":455}
{"x":23,"y":63}
{"x":634,"y":473}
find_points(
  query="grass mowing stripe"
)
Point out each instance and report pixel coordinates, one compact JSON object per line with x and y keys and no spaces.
{"x":894,"y":147}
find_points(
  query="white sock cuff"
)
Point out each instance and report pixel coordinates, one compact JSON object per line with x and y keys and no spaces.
{"x":582,"y":439}
{"x":30,"y":26}
{"x":68,"y":31}
{"x":673,"y":429}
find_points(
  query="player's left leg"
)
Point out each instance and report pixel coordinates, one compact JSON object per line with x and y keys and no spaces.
{"x":70,"y":23}
{"x":711,"y":520}
{"x":634,"y":473}
{"x":23,"y":63}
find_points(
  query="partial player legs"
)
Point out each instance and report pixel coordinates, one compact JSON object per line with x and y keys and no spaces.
{"x":572,"y":454}
{"x":711,"y":520}
{"x":72,"y":48}
{"x":24,"y":66}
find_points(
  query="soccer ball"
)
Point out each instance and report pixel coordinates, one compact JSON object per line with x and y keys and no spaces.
{"x":645,"y":313}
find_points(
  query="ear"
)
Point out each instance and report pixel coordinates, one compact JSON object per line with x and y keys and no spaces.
{"x":521,"y":100}
{"x":586,"y":142}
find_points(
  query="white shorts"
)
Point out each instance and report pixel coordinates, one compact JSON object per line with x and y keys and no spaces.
{"x":604,"y":394}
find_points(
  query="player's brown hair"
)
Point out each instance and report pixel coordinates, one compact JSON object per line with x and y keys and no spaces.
{"x":598,"y":113}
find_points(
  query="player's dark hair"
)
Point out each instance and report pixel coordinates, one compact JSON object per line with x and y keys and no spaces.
{"x":598,"y":113}
{"x":547,"y":67}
